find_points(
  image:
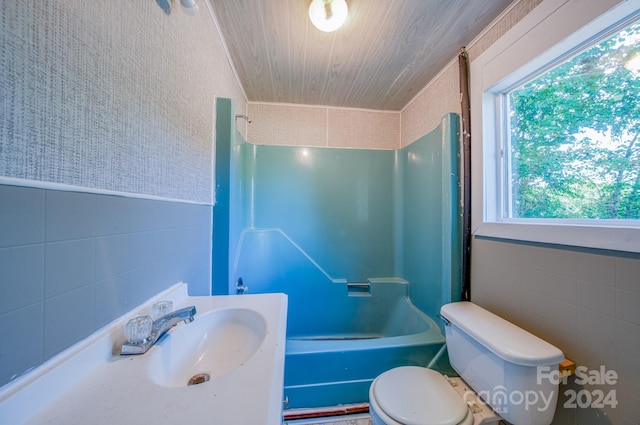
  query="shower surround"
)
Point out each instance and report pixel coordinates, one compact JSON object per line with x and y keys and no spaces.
{"x":359,"y":240}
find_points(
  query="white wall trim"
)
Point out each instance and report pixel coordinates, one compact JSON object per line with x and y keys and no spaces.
{"x":37,"y":184}
{"x":548,"y":30}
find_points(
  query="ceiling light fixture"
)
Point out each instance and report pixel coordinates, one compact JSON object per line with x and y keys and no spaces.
{"x":328,"y":15}
{"x":190,"y":7}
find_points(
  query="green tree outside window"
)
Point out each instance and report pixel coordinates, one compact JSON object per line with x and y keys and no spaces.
{"x":574,"y":136}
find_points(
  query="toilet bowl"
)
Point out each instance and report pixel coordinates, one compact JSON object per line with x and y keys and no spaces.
{"x":493,"y":357}
{"x":413,"y":395}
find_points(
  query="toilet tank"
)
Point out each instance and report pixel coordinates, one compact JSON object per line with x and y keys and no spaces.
{"x":512,"y":370}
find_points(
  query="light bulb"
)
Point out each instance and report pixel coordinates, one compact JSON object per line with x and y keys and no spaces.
{"x":328,"y":15}
{"x":190,"y":7}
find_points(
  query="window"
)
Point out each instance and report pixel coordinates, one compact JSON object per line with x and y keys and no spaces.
{"x":572,"y":147}
{"x":555,"y":118}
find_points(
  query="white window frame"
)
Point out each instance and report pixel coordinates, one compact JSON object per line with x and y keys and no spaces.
{"x":553,"y":29}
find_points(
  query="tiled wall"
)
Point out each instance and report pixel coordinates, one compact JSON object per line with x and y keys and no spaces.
{"x":302,"y":125}
{"x":585,"y":303}
{"x":71,"y":262}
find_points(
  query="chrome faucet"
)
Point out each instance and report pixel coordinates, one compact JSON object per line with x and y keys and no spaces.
{"x":158,"y":329}
{"x":240,"y":287}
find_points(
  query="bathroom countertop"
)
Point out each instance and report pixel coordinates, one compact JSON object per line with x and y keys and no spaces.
{"x":114,"y":389}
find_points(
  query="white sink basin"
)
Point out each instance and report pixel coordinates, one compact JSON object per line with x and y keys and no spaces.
{"x":214,"y":344}
{"x":238,"y":341}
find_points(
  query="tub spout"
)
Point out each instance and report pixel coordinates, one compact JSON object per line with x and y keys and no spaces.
{"x":241,"y":288}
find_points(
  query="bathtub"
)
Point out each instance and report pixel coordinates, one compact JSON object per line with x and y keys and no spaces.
{"x":332,"y":360}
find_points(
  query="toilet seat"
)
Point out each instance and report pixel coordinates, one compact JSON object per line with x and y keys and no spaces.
{"x":413,"y":395}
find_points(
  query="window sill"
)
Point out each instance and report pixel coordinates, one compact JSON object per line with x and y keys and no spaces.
{"x":607,"y":238}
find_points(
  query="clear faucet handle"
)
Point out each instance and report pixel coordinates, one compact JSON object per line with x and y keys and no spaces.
{"x":161,"y":308}
{"x":138,"y":329}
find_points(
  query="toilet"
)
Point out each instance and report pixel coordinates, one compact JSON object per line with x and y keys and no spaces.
{"x":504,"y":374}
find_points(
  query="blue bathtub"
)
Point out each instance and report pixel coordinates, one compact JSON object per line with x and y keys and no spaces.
{"x":340,"y":334}
{"x":336,"y":363}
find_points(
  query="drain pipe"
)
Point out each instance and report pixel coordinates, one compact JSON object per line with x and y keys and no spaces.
{"x":463,"y":61}
{"x":437,"y":356}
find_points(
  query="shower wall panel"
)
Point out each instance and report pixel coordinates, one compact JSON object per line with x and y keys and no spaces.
{"x":349,"y":215}
{"x":336,"y":204}
{"x":431,"y":217}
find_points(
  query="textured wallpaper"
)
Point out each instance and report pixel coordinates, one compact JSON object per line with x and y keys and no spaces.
{"x":112,"y":95}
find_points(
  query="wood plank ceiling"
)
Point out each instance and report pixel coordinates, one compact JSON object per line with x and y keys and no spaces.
{"x":385,"y":53}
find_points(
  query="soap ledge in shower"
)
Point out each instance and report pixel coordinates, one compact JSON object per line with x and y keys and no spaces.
{"x":359,"y":289}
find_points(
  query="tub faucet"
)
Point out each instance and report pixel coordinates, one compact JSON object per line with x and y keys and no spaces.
{"x":240,"y":287}
{"x":158,"y":329}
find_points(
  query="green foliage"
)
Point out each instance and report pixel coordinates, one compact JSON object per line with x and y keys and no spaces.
{"x":575,"y":136}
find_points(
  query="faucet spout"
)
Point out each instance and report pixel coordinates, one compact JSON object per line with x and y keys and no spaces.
{"x":166,"y":322}
{"x":160,"y":327}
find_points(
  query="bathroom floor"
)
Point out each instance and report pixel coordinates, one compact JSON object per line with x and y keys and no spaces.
{"x":357,"y":419}
{"x":344,"y":414}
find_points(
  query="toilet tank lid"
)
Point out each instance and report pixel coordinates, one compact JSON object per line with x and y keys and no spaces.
{"x":504,"y":339}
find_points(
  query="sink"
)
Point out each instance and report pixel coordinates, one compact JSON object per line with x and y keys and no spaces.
{"x":214,"y":344}
{"x":234,"y":348}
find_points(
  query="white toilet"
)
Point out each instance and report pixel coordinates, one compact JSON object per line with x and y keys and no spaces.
{"x":506,"y":366}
